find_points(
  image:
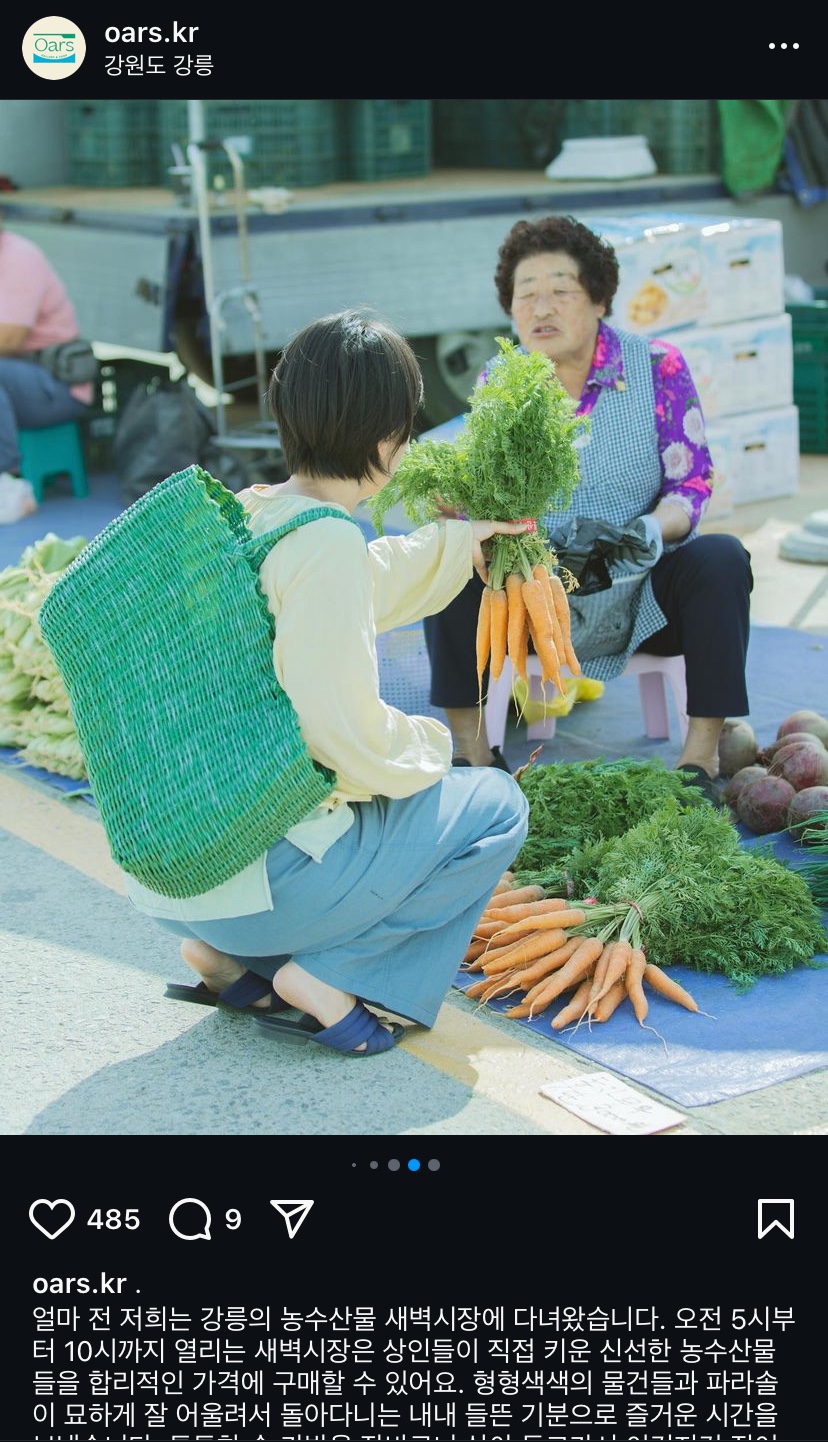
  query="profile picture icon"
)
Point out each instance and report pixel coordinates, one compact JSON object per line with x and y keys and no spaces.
{"x":54,"y":47}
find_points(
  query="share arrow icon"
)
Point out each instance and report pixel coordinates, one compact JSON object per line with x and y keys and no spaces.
{"x":294,"y":1214}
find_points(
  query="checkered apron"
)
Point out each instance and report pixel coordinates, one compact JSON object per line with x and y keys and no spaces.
{"x":620,"y":480}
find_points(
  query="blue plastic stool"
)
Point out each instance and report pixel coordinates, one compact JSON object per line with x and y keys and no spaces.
{"x":53,"y":451}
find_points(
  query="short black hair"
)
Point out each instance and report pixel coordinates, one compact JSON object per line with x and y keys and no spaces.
{"x":341,"y":386}
{"x":595,"y":258}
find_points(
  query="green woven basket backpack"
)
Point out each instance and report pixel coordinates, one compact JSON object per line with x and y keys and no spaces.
{"x":164,"y":640}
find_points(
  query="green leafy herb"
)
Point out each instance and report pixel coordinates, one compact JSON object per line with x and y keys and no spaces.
{"x":574,"y":804}
{"x":515,"y":459}
{"x":699,"y":898}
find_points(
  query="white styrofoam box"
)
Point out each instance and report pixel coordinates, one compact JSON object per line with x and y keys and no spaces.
{"x":761,"y":450}
{"x":744,"y":366}
{"x":682,"y":268}
{"x":745,"y":269}
{"x":602,"y":157}
{"x":662,"y":280}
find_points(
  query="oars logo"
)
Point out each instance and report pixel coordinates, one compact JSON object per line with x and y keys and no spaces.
{"x":54,"y":47}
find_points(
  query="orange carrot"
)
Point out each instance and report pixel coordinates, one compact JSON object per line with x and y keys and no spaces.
{"x":546,"y":921}
{"x":517,"y":897}
{"x":481,"y":987}
{"x":523,"y":951}
{"x":499,"y":624}
{"x":633,"y":982}
{"x":533,"y":914}
{"x":517,"y":623}
{"x":534,"y":598}
{"x":616,"y":966}
{"x":600,"y":969}
{"x":521,"y":656}
{"x":610,"y":1001}
{"x":484,"y":637}
{"x":574,"y":1008}
{"x":666,"y":987}
{"x":578,"y":967}
{"x":486,"y":927}
{"x":505,"y":883}
{"x":539,"y":970}
{"x":561,"y":604}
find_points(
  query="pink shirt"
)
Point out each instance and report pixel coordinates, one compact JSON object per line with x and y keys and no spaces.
{"x":33,"y":295}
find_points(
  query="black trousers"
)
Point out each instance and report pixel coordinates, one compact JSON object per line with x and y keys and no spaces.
{"x":702,"y":588}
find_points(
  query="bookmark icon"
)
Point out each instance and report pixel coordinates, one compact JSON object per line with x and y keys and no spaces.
{"x":294,"y":1214}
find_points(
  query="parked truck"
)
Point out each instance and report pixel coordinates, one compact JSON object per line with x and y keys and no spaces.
{"x":421,"y":251}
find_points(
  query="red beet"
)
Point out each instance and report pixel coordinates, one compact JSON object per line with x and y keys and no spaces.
{"x":804,"y":806}
{"x":763,"y":804}
{"x":737,"y":782}
{"x":805,"y":721}
{"x":801,"y":763}
{"x":738,"y":747}
{"x":767,"y":753}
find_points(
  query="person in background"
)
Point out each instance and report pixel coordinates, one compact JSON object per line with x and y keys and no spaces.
{"x":35,"y":312}
{"x":374,"y":896}
{"x":643,"y":460}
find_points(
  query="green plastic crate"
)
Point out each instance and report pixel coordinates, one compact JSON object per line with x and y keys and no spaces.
{"x":683,"y":135}
{"x":501,"y":134}
{"x":386,"y":139}
{"x":289,"y":142}
{"x":810,"y":379}
{"x":113,"y":143}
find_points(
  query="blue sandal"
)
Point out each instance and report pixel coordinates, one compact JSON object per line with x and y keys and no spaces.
{"x":360,"y":1025}
{"x":238,"y":996}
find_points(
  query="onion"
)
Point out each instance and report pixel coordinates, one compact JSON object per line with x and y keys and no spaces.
{"x":763,"y":804}
{"x":806,"y":721}
{"x":739,"y":780}
{"x":804,"y":806}
{"x":801,"y":763}
{"x":738,"y":747}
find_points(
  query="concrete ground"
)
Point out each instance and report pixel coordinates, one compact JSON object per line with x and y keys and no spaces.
{"x":91,"y":1046}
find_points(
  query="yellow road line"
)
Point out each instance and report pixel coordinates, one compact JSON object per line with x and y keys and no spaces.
{"x":462,"y":1045}
{"x":61,"y":830}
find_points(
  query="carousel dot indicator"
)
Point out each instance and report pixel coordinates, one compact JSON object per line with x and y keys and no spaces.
{"x":433,"y":1165}
{"x":373,"y":1166}
{"x":413,"y":1165}
{"x":393,"y":1165}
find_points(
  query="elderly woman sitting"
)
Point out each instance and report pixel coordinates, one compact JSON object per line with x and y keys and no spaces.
{"x":644,"y":464}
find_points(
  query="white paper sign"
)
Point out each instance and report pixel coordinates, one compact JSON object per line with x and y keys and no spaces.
{"x":610,"y":1104}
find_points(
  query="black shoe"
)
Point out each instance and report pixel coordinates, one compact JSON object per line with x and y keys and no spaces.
{"x":697,"y":776}
{"x":498,"y":760}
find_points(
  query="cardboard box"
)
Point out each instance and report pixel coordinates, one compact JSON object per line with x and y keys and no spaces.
{"x":744,"y":366}
{"x":758,"y":452}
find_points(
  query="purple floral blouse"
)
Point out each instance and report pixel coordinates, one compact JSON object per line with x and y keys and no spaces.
{"x":686,"y":465}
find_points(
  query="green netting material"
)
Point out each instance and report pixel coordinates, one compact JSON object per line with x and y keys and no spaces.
{"x":164,"y":640}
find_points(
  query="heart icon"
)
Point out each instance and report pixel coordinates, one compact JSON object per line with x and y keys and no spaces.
{"x":51,"y":1231}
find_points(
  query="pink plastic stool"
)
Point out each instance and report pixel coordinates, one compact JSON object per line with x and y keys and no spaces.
{"x":652,"y":673}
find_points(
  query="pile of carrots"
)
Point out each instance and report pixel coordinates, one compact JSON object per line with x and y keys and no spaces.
{"x":545,"y":947}
{"x":533,"y":607}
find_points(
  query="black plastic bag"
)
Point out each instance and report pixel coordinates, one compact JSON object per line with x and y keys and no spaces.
{"x":587,"y":547}
{"x":163,"y":428}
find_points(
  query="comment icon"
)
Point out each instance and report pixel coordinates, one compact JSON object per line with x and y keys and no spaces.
{"x":194,"y":1234}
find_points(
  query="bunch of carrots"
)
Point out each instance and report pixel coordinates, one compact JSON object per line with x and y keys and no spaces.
{"x":526,"y":607}
{"x":545,"y":947}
